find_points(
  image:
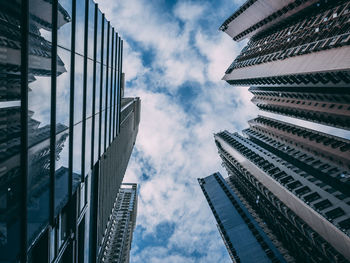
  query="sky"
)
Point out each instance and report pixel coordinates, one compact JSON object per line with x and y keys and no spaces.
{"x":174,"y":59}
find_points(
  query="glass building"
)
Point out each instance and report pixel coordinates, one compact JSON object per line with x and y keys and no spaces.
{"x":67,"y":131}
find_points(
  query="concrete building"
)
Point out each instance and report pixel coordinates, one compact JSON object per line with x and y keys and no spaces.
{"x":290,"y":42}
{"x":117,"y":239}
{"x":309,"y":212}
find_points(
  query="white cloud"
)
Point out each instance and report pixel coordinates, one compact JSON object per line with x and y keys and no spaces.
{"x":177,"y":142}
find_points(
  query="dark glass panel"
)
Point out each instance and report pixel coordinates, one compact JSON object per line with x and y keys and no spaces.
{"x":88,"y":146}
{"x":39,"y":107}
{"x":64,"y":25}
{"x":10,"y":130}
{"x":91,"y":29}
{"x":78,"y":88}
{"x":80,"y":26}
{"x":77,"y":147}
{"x":99,"y":36}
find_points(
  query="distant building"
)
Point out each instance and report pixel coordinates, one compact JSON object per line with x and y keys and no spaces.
{"x":116,"y":243}
{"x":293,"y":179}
{"x":243,"y":236}
{"x":66,"y":130}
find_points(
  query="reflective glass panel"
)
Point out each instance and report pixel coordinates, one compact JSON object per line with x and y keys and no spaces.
{"x":62,"y":124}
{"x":39,"y":107}
{"x":89,"y":87}
{"x":79,"y":27}
{"x":88,"y":146}
{"x":91,"y":29}
{"x":107,"y":87}
{"x":77,"y":148}
{"x":103,"y":94}
{"x":97,"y":112}
{"x":99,"y":36}
{"x":104,"y":48}
{"x":78,"y":88}
{"x":64,"y":25}
{"x":10,"y":130}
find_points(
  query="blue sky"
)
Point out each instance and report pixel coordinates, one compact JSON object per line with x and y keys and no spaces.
{"x":174,"y":59}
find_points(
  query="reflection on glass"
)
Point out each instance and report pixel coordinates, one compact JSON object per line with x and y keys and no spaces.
{"x":103,"y":116}
{"x":39,"y":116}
{"x":77,"y":147}
{"x":88,"y":146}
{"x":104,"y":49}
{"x":99,"y":36}
{"x":89,"y":87}
{"x":91,"y":24}
{"x":62,"y":123}
{"x":78,"y":89}
{"x":10,"y":130}
{"x":97,"y":112}
{"x":79,"y":28}
{"x":64,"y":24}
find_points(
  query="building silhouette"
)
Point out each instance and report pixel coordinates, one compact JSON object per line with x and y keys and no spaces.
{"x":294,"y":180}
{"x":67,"y":131}
{"x":116,"y":243}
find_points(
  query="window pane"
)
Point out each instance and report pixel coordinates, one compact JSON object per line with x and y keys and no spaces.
{"x":10,"y":131}
{"x":62,"y":124}
{"x":64,"y":25}
{"x":79,"y":28}
{"x":39,"y":107}
{"x":89,"y":87}
{"x":77,"y":146}
{"x":78,"y":89}
{"x":99,"y":36}
{"x":104,"y":49}
{"x":88,"y":146}
{"x":91,"y":29}
{"x":103,"y":113}
{"x":97,"y":112}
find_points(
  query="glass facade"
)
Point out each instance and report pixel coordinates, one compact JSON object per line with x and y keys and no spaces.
{"x":60,"y":63}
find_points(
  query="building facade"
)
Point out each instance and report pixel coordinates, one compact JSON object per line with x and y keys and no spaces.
{"x":242,"y":234}
{"x":117,"y":239}
{"x":290,"y":42}
{"x":66,"y":130}
{"x":294,"y":179}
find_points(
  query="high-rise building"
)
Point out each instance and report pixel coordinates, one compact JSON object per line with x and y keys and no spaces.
{"x":292,"y":43}
{"x":307,"y":207}
{"x":67,"y":132}
{"x":295,"y":179}
{"x":243,"y":235}
{"x":116,"y":243}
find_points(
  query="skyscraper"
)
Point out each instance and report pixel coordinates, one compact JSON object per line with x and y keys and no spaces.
{"x":116,"y":243}
{"x":295,"y":179}
{"x":244,"y":238}
{"x":290,"y":41}
{"x":66,"y":130}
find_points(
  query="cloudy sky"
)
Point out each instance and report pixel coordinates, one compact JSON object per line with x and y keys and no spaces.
{"x":174,"y":59}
